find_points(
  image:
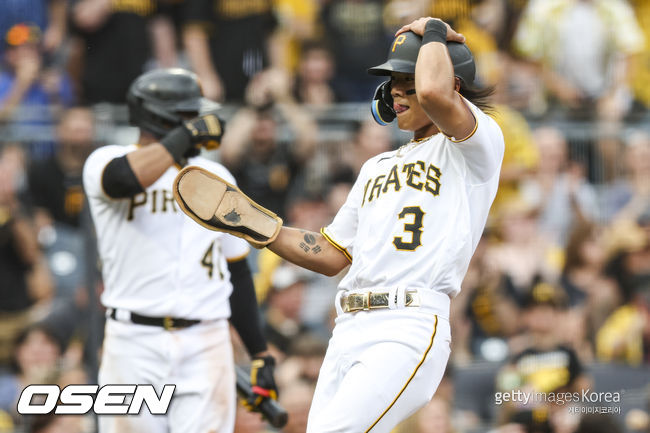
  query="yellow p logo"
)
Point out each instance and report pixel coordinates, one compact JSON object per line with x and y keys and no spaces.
{"x":398,"y":41}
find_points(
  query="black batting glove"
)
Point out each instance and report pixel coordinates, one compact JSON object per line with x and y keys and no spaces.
{"x":206,"y":130}
{"x":262,"y":381}
{"x":185,"y":141}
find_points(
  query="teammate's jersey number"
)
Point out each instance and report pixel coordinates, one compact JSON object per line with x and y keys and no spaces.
{"x":414,"y":228}
{"x":207,"y":261}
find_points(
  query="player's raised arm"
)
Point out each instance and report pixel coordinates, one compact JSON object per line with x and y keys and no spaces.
{"x":166,"y":104}
{"x":218,"y":205}
{"x":436,"y":85}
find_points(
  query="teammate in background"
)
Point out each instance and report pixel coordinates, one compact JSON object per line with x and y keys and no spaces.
{"x":409,"y":228}
{"x":169,"y":283}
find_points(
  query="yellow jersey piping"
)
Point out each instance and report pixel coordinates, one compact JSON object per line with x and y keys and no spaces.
{"x":238,"y":258}
{"x":426,"y":352}
{"x":336,"y":245}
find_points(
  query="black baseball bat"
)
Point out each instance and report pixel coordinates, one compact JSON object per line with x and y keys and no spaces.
{"x":275,"y":414}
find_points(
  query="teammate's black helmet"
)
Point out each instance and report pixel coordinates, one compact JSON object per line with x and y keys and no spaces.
{"x":158,"y":99}
{"x":403,"y":54}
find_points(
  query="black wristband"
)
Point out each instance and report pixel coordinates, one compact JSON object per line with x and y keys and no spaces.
{"x":244,"y":313}
{"x":177,"y":142}
{"x":435,"y":31}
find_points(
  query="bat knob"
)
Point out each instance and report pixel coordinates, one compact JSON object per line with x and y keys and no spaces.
{"x":277,"y":416}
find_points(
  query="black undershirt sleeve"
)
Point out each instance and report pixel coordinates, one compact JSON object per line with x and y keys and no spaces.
{"x":119,"y":180}
{"x":245,"y":315}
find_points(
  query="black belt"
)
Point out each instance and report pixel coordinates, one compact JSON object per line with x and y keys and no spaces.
{"x":164,"y":322}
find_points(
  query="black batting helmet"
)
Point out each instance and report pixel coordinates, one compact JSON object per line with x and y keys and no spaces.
{"x":158,"y":99}
{"x":403,"y":54}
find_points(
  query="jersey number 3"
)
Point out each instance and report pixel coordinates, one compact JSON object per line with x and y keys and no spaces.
{"x":414,"y":228}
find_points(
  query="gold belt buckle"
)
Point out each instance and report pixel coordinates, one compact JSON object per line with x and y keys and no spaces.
{"x":356,"y":302}
{"x":364,"y":301}
{"x":168,"y":323}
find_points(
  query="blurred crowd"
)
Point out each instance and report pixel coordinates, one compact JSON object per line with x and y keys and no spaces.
{"x":557,"y":297}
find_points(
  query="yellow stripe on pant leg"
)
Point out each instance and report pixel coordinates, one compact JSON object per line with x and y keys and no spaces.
{"x":426,"y":352}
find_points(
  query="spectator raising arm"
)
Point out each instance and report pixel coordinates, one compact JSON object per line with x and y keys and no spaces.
{"x":89,"y":15}
{"x":270,"y":87}
{"x":197,"y":46}
{"x":57,"y":28}
{"x":27,"y":69}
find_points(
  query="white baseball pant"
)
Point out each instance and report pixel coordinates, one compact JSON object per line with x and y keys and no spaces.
{"x":381,"y":366}
{"x":197,"y":359}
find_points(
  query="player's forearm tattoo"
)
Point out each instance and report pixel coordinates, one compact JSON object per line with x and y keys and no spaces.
{"x":309,"y":243}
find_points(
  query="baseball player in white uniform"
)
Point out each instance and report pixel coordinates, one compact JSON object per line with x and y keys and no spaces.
{"x":409,"y":228}
{"x":167,"y":280}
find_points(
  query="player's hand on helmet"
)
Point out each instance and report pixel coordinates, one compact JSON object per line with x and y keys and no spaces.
{"x":262,"y":381}
{"x":418,"y":27}
{"x":205,"y":130}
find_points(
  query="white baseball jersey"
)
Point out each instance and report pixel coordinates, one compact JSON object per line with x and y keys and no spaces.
{"x":415,"y":215}
{"x":156,"y":261}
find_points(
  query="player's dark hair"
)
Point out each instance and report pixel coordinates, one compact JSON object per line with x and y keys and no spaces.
{"x":479,"y":96}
